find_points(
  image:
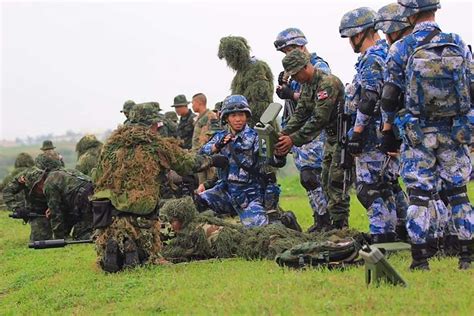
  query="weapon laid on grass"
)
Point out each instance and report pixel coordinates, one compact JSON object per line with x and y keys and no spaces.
{"x":56,"y":243}
{"x":378,"y":269}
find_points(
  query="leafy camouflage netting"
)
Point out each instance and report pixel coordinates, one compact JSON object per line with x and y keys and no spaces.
{"x":24,"y":160}
{"x":85,"y":143}
{"x":129,"y":167}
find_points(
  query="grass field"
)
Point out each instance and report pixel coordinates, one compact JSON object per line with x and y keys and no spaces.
{"x":67,"y":281}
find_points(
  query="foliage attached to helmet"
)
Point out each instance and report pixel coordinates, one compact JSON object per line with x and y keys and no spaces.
{"x":24,"y":160}
{"x":288,"y":37}
{"x":144,"y":114}
{"x":48,"y":161}
{"x":235,"y":50}
{"x":87,"y":142}
{"x":182,"y":210}
{"x":233,"y":104}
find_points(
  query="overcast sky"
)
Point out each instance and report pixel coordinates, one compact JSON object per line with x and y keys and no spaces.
{"x":71,"y":65}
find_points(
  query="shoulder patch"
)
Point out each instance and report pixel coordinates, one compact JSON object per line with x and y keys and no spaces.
{"x":322,"y":95}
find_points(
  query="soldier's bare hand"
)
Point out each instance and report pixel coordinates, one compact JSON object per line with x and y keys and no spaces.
{"x":283,"y":146}
{"x":200,"y":188}
{"x":48,"y":213}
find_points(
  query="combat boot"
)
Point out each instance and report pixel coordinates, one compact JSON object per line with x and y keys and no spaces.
{"x":420,"y":255}
{"x":322,"y":224}
{"x":465,"y":253}
{"x":131,"y":259}
{"x":402,"y":232}
{"x":288,"y":219}
{"x":435,"y":247}
{"x":112,"y":261}
{"x":383,"y":238}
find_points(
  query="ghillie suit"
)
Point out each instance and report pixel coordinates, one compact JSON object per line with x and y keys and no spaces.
{"x":128,"y":180}
{"x":49,"y":161}
{"x":203,"y":237}
{"x":88,"y":150}
{"x":253,"y":78}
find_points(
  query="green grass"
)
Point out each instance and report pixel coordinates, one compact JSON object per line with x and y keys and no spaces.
{"x":67,"y":281}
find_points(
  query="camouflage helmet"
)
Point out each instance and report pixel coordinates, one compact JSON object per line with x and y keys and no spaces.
{"x":295,"y":61}
{"x":218,"y":106}
{"x":144,"y":114}
{"x":356,"y":21}
{"x":290,"y":36}
{"x":48,"y":161}
{"x":233,"y":104}
{"x":32,"y":176}
{"x":171,"y":115}
{"x":87,"y":142}
{"x":389,"y":19}
{"x":127,"y":106}
{"x":24,"y":160}
{"x":182,"y":209}
{"x":412,"y":7}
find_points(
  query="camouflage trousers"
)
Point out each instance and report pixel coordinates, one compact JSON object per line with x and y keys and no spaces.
{"x":437,"y":159}
{"x":144,"y":232}
{"x":374,"y":193}
{"x":40,"y":229}
{"x":246,"y":200}
{"x":332,"y":176}
{"x":392,"y":175}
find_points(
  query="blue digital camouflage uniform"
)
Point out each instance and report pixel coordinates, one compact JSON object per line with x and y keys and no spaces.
{"x":429,"y":152}
{"x":310,"y":155}
{"x":238,"y":191}
{"x":372,"y":189}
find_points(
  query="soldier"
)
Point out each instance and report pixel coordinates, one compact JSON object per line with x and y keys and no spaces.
{"x":308,"y":158}
{"x":241,"y":190}
{"x":48,"y":148}
{"x":129,"y":180}
{"x":127,"y":106}
{"x":67,"y":193}
{"x":317,"y":111}
{"x":30,"y":183}
{"x":390,"y":21}
{"x":186,"y":120}
{"x":434,"y":126}
{"x":22,"y":162}
{"x":372,"y":191}
{"x":88,"y":151}
{"x":172,"y":118}
{"x":253,"y":78}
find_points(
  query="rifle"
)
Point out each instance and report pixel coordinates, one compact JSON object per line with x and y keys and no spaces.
{"x":20,"y":215}
{"x":343,"y":126}
{"x":56,"y":243}
{"x":267,"y":130}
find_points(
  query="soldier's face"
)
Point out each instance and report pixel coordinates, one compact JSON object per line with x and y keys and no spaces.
{"x":181,"y":110}
{"x":176,"y":225}
{"x":301,"y":76}
{"x":237,"y":121}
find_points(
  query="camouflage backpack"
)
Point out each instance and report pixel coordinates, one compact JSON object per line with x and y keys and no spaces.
{"x":326,"y":253}
{"x":437,"y":78}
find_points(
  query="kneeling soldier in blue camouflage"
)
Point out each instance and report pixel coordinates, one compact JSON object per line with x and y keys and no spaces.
{"x":245,"y":188}
{"x":432,"y":69}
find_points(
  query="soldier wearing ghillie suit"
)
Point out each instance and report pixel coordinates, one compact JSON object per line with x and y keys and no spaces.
{"x":88,"y":151}
{"x":253,"y":78}
{"x":201,"y":236}
{"x":22,"y":162}
{"x":30,"y":182}
{"x":129,"y":179}
{"x":67,"y":194}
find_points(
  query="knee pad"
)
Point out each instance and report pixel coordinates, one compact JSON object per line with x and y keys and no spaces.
{"x":455,"y":196}
{"x":309,"y":179}
{"x":368,"y":193}
{"x":416,"y":197}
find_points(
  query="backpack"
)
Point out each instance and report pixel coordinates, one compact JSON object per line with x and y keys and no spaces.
{"x":321,"y":254}
{"x":436,"y":78}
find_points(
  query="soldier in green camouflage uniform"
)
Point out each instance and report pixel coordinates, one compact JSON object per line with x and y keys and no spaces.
{"x":127,"y":106}
{"x":48,"y":148}
{"x":129,"y":179}
{"x":48,"y":161}
{"x":186,"y":120}
{"x":67,"y":193}
{"x":30,"y":182}
{"x":317,"y":111}
{"x":253,"y":78}
{"x":88,"y":151}
{"x":22,"y":162}
{"x":172,"y":118}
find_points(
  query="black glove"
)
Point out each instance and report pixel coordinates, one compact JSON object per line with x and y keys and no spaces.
{"x":280,"y":79}
{"x":285,"y":92}
{"x":219,"y":161}
{"x":221,"y":143}
{"x":389,"y":142}
{"x":356,"y":143}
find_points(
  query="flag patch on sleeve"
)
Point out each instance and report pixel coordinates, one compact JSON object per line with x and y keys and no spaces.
{"x":322,"y":95}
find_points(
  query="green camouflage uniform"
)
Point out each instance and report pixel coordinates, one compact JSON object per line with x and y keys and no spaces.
{"x":35,"y":202}
{"x":131,"y":174}
{"x":22,"y":162}
{"x":253,"y":78}
{"x":67,"y":193}
{"x":88,"y":150}
{"x":316,"y":112}
{"x":202,"y":127}
{"x":127,"y":106}
{"x":186,"y":128}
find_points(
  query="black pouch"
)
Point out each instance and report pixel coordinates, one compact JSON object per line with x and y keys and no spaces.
{"x":102,"y":213}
